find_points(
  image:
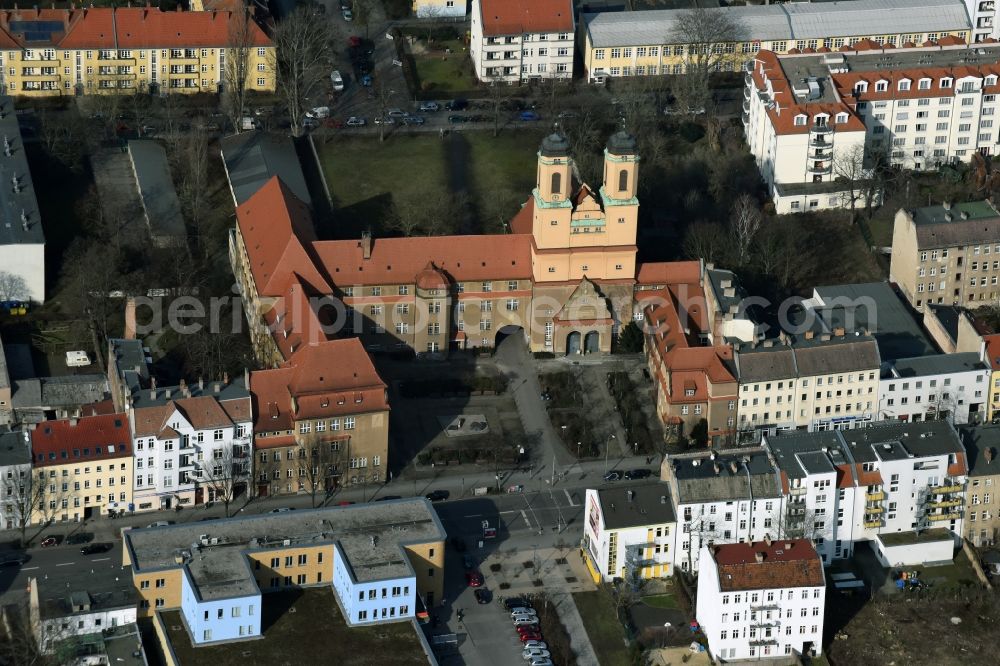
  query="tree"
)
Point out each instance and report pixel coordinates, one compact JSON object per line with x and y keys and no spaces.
{"x":631,"y":339}
{"x":744,"y":224}
{"x":190,"y":163}
{"x":385,"y":98}
{"x":242,"y":36}
{"x":699,"y":433}
{"x":19,"y":645}
{"x":709,"y":36}
{"x":706,"y":240}
{"x":849,"y":169}
{"x":27,"y":496}
{"x":303,"y":61}
{"x":363,"y":14}
{"x":498,"y":96}
{"x":13,"y":287}
{"x":318,"y":460}
{"x":226,"y":474}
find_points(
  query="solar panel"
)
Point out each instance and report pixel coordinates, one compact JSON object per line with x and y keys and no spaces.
{"x":39,"y":26}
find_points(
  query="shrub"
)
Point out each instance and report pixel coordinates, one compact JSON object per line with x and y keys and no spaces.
{"x":630,"y":341}
{"x":691,"y":132}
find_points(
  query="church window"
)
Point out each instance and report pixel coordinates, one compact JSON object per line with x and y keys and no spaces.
{"x":623,"y":180}
{"x":556,"y":183}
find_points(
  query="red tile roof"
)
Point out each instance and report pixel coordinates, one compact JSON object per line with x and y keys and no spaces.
{"x":202,"y":413}
{"x":515,"y":17}
{"x":785,"y":563}
{"x":144,"y":27}
{"x":670,"y":272}
{"x":81,"y":440}
{"x":294,"y":320}
{"x":523,"y":219}
{"x":993,"y":350}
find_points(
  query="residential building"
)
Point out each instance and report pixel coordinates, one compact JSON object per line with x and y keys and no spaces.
{"x":86,"y":465}
{"x":761,"y":599}
{"x":984,"y":20}
{"x":949,"y":253}
{"x":691,"y":363}
{"x":643,"y":43}
{"x":15,"y":479}
{"x":522,"y":40}
{"x":953,"y":387}
{"x":380,"y":559}
{"x":629,"y":532}
{"x":36,"y":399}
{"x":808,"y":381}
{"x":565,"y":278}
{"x":438,"y":9}
{"x":320,"y":421}
{"x":192,"y":444}
{"x":992,"y":359}
{"x":63,"y":621}
{"x":982,"y":504}
{"x":720,"y":496}
{"x":22,"y":239}
{"x":51,"y":52}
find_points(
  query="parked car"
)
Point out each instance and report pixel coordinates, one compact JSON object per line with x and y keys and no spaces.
{"x":310,"y":123}
{"x":528,"y":116}
{"x":541,"y":645}
{"x":430,"y":107}
{"x":347,"y":14}
{"x":80,"y":537}
{"x":95,"y":548}
{"x":516,"y":602}
{"x":613,"y":476}
{"x":48,"y":542}
{"x":161,"y":523}
{"x":352,"y":41}
{"x":457,"y":119}
{"x":384,"y":121}
{"x":366,"y":80}
{"x":207,"y":518}
{"x":282,"y":509}
{"x":531,"y":653}
{"x":635,"y":474}
{"x":540,"y":661}
{"x":530,"y":636}
{"x":438,"y":495}
{"x":396,"y":113}
{"x":318,"y":112}
{"x":345,"y":4}
{"x":474,"y":578}
{"x":456,"y":104}
{"x":16,"y":560}
{"x":526,"y":630}
{"x":523,"y":611}
{"x":483,"y":595}
{"x":344,"y":503}
{"x":356,"y":121}
{"x":525,"y":620}
{"x":568,"y":114}
{"x":413,"y":120}
{"x":337,"y":80}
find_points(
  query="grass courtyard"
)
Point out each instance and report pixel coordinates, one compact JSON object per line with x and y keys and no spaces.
{"x":439,"y":71}
{"x":597,"y":609}
{"x":406,"y":169}
{"x":314,"y":633}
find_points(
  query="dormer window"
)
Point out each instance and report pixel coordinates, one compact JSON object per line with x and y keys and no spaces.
{"x":800,"y":120}
{"x":904,"y":84}
{"x":881,"y":86}
{"x":991,"y":80}
{"x":822,"y":119}
{"x":841,"y":118}
{"x":924,"y":84}
{"x":861,"y":86}
{"x":946,"y":82}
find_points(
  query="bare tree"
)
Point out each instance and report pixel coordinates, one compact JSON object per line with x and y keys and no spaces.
{"x":318,"y":460}
{"x":849,"y":169}
{"x":26,"y":497}
{"x":363,"y":14}
{"x":226,"y":474}
{"x":19,"y":645}
{"x":744,"y":223}
{"x":706,"y":240}
{"x":385,"y":97}
{"x":303,"y":53}
{"x":13,"y":287}
{"x":711,"y":37}
{"x":242,"y":36}
{"x":499,"y":93}
{"x":190,"y":164}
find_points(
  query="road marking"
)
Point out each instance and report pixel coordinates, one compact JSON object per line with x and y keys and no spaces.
{"x":101,"y":559}
{"x":569,"y":499}
{"x":65,"y":564}
{"x":28,"y":568}
{"x":525,"y":516}
{"x":474,"y":515}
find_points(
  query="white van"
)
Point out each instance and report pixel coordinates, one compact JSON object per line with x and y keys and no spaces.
{"x":337,"y":80}
{"x":319,"y":112}
{"x":77,"y":359}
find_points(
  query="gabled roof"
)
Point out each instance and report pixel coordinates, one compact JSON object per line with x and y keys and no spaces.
{"x":515,"y":17}
{"x":765,"y":565}
{"x":144,"y":27}
{"x":73,"y":440}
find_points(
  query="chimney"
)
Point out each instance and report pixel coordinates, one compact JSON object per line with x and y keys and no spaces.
{"x":718,"y":469}
{"x":166,"y":394}
{"x":201,"y":384}
{"x":810,"y":335}
{"x":73,"y":422}
{"x":732,"y":467}
{"x":366,"y":245}
{"x":759,"y":557}
{"x":225,"y":378}
{"x":767,"y":540}
{"x":246,"y":378}
{"x":152,"y":393}
{"x":946,"y":205}
{"x":182,"y":385}
{"x":839,"y":332}
{"x":788,"y":545}
{"x":218,"y":387}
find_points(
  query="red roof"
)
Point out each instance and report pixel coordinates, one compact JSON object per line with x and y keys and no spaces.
{"x":993,"y":350}
{"x":144,"y":27}
{"x":670,"y":272}
{"x":81,"y":440}
{"x":765,"y":565}
{"x":431,"y":278}
{"x":515,"y":17}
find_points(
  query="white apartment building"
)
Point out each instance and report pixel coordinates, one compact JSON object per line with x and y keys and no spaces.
{"x":761,"y":600}
{"x":522,"y":40}
{"x":15,"y":479}
{"x":812,"y":382}
{"x":984,"y":19}
{"x":629,"y":532}
{"x":920,"y":106}
{"x":720,"y":497}
{"x":60,"y":615}
{"x":887,"y":478}
{"x":191,"y":444}
{"x":951,"y":387}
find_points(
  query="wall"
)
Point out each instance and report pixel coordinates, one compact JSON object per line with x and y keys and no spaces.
{"x":219,"y":620}
{"x":914,"y":554}
{"x":27,"y":261}
{"x":169,"y":592}
{"x":369,"y":602}
{"x":314,"y":563}
{"x":97,"y":480}
{"x":165,"y":648}
{"x":427,"y":561}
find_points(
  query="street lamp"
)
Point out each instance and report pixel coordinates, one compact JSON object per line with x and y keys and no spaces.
{"x":607,"y":446}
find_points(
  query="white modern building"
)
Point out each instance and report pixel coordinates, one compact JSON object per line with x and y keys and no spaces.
{"x":984,"y":19}
{"x":762,"y":599}
{"x":522,"y":40}
{"x":22,"y":241}
{"x":721,"y":496}
{"x":953,"y":387}
{"x":61,"y":615}
{"x":921,"y":106}
{"x":629,"y":532}
{"x":192,"y":444}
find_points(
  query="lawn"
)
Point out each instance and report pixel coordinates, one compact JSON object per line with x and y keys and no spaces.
{"x":367,"y":178}
{"x":439,"y":71}
{"x":315,"y":632}
{"x":605,"y":631}
{"x":660,"y":601}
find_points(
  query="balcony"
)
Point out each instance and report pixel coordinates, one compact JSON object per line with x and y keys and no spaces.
{"x":820,"y":167}
{"x":937,"y":517}
{"x":820,"y":141}
{"x":876,"y":496}
{"x":797,"y":491}
{"x":764,"y":607}
{"x":874,"y":509}
{"x":763,"y":641}
{"x":948,"y":487}
{"x":747,"y":92}
{"x":945,"y":504}
{"x":746,"y":106}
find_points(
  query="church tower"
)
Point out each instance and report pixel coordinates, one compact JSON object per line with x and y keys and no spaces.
{"x":552,"y":198}
{"x":621,"y":173}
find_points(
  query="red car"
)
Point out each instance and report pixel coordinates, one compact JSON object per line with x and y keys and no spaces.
{"x":530,"y":636}
{"x":527,"y":629}
{"x":474,"y":578}
{"x":354,"y":42}
{"x":49,"y":541}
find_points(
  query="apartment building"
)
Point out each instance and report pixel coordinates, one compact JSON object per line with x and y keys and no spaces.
{"x":761,"y":599}
{"x":15,"y":479}
{"x":624,"y":44}
{"x":691,"y":365}
{"x":436,"y":9}
{"x":85,"y":465}
{"x":721,"y":496}
{"x":949,"y":253}
{"x":952,"y":387}
{"x":50,"y":52}
{"x":982,"y":504}
{"x":381,"y":560}
{"x":564,"y":278}
{"x":991,"y":352}
{"x":22,"y":239}
{"x":514,"y":41}
{"x":984,"y":20}
{"x":67,"y":619}
{"x":629,"y":532}
{"x":320,"y":421}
